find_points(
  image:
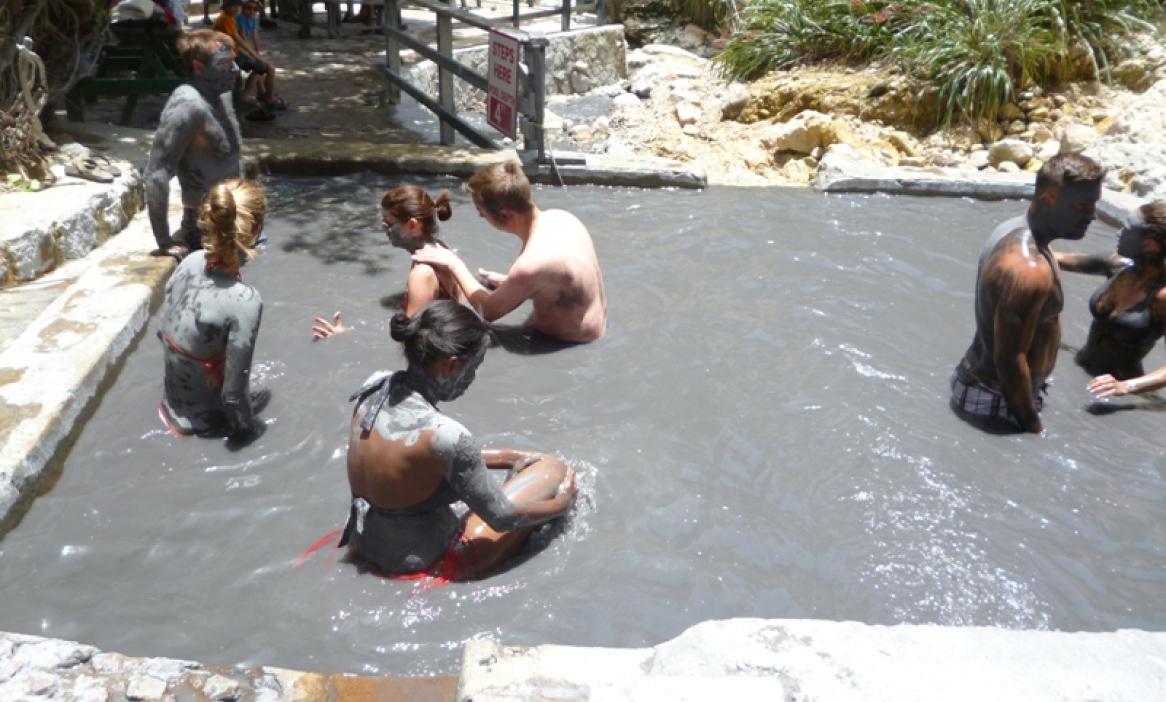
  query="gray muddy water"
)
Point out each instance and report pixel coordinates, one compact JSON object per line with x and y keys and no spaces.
{"x":764,"y":432}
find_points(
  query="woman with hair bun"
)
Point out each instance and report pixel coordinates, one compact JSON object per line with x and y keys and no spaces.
{"x":210,"y":320}
{"x":408,"y":462}
{"x":410,"y":217}
{"x":1129,"y":309}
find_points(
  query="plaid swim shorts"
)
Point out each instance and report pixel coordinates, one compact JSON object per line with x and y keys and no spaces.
{"x":970,"y":397}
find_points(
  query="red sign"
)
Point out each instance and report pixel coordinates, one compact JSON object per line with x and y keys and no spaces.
{"x":502,"y":84}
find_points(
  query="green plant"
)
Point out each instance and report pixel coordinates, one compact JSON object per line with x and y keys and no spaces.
{"x":977,"y":53}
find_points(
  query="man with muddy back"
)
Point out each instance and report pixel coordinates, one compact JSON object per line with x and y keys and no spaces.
{"x":197,"y":139}
{"x":1002,"y":378}
{"x":557,"y":267}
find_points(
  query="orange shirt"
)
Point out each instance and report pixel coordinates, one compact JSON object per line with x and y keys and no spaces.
{"x":226,"y":24}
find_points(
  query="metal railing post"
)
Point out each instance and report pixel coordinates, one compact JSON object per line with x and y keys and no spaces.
{"x":445,"y":95}
{"x":566,"y":15}
{"x":534,"y":51}
{"x":600,"y":12}
{"x":514,"y":17}
{"x":392,"y":18}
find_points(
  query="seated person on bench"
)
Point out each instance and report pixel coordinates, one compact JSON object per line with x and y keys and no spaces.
{"x":249,"y":60}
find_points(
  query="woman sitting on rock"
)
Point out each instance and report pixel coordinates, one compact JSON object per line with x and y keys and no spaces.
{"x":210,"y":320}
{"x":1129,"y":309}
{"x":408,"y":462}
{"x":410,"y":217}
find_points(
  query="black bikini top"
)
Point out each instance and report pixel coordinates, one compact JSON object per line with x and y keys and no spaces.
{"x":1136,"y":324}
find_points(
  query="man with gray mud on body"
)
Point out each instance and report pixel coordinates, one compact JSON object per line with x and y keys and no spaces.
{"x":1002,"y":378}
{"x":197,"y":138}
{"x":557,"y":268}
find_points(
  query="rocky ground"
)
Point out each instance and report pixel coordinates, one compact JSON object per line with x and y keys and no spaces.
{"x":775,"y":130}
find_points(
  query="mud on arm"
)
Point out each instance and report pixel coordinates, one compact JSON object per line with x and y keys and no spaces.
{"x":242,"y":332}
{"x":1018,"y":310}
{"x":180,"y":120}
{"x":468,"y":475}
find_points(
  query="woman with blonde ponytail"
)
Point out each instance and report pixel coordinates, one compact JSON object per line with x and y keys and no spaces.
{"x":210,"y":321}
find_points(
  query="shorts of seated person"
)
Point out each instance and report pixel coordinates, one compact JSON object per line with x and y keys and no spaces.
{"x":246,"y":63}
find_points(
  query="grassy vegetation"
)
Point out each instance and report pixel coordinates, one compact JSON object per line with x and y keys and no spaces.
{"x":977,"y":53}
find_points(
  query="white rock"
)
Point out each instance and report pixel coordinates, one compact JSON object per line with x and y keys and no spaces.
{"x":602,"y":124}
{"x":580,"y":131}
{"x":978,"y":158}
{"x":87,"y":688}
{"x":1048,"y":149}
{"x":688,"y":113}
{"x":637,"y":59}
{"x":1076,"y":138}
{"x":691,"y":130}
{"x":220,"y":688}
{"x":1009,"y":150}
{"x":733,"y":100}
{"x":35,"y":682}
{"x":52,"y":653}
{"x":672,"y":51}
{"x":1008,"y":167}
{"x":625,"y":101}
{"x":145,"y":687}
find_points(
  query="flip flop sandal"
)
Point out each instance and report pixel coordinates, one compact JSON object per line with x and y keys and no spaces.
{"x":105,"y":163}
{"x":88,"y":169}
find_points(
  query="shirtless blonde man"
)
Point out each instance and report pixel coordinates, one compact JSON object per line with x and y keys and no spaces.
{"x":557,"y":268}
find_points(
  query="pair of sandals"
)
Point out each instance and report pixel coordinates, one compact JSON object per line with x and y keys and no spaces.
{"x":263,"y":110}
{"x":96,"y":168}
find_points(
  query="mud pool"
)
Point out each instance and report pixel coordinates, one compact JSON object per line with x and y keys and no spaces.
{"x":764,"y":432}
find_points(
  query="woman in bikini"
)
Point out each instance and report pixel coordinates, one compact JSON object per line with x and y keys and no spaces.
{"x":410,"y":217}
{"x":1129,"y":309}
{"x":210,"y":321}
{"x":408,"y":462}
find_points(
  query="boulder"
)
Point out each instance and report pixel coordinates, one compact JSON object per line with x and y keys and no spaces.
{"x":1135,"y":74}
{"x":1076,"y":138}
{"x":688,"y":113}
{"x":625,"y":100}
{"x":904,"y":142}
{"x":736,"y":97}
{"x":1010,"y":112}
{"x":801,"y":135}
{"x":1009,"y":151}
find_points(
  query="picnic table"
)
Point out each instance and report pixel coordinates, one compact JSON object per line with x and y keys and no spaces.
{"x":144,"y":61}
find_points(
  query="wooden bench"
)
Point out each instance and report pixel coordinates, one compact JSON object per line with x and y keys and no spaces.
{"x":144,"y":61}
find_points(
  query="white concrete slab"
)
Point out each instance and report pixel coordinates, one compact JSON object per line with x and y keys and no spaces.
{"x":759,"y":659}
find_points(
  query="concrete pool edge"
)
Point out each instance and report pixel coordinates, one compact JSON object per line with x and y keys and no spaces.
{"x":712,"y":660}
{"x":33,"y":666}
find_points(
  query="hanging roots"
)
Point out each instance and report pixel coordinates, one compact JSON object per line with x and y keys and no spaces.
{"x":42,"y":48}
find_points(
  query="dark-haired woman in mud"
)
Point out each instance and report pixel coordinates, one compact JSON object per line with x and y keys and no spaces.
{"x":410,"y":217}
{"x":408,"y":462}
{"x":1129,"y":309}
{"x":210,"y":321}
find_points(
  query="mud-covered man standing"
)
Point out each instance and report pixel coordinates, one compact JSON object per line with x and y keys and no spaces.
{"x":197,"y":138}
{"x":1002,"y":378}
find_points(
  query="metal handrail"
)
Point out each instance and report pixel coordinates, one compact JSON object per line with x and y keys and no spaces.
{"x":532,"y":70}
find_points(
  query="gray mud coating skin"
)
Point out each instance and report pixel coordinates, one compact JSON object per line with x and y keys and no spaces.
{"x":411,"y":538}
{"x":198,"y":139}
{"x":209,"y":315}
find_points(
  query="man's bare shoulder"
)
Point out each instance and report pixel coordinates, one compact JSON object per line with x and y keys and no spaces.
{"x":1017,"y":260}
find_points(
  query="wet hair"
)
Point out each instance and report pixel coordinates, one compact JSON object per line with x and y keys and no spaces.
{"x":1153,"y":215}
{"x":409,"y":201}
{"x":501,"y":186}
{"x":1064,"y":169}
{"x":442,"y":328}
{"x":201,"y":45}
{"x":230,"y":213}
